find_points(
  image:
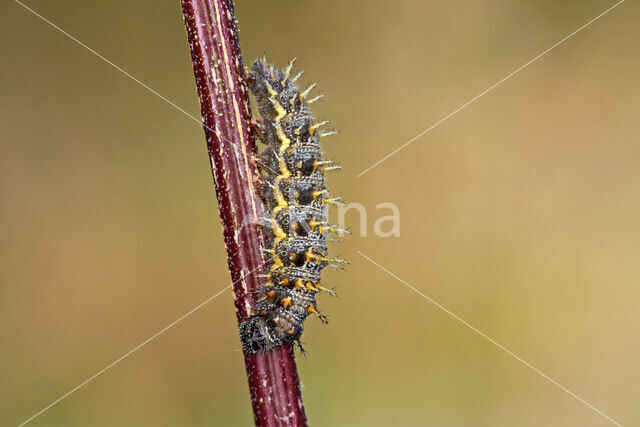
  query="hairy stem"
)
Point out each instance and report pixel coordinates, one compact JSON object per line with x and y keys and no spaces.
{"x":220,"y":79}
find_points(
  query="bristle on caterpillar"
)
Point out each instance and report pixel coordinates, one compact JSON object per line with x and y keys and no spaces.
{"x":292,"y":186}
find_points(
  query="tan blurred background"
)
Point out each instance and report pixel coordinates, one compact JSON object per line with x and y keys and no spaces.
{"x":519,"y":214}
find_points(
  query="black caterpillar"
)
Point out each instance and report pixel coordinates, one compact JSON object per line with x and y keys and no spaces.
{"x":293,"y":189}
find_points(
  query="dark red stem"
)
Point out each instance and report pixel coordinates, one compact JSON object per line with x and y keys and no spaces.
{"x":224,"y":102}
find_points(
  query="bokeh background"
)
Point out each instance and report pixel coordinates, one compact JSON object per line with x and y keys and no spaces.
{"x":519,"y":214}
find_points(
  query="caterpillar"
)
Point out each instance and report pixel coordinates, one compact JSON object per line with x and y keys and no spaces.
{"x":293,"y":189}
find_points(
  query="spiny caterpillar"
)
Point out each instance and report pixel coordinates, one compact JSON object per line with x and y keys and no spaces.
{"x":294,"y":192}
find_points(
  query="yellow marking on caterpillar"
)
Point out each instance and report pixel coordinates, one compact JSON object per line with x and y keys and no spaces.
{"x":277,"y":230}
{"x":286,"y":302}
{"x":317,"y":194}
{"x":284,"y":170}
{"x":277,"y":262}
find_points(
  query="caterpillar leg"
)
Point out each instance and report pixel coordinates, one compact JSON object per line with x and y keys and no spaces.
{"x":299,"y":344}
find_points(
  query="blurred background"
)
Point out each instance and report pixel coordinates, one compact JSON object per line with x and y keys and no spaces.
{"x":519,"y":214}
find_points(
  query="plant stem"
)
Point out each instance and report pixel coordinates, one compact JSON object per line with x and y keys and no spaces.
{"x":220,"y":79}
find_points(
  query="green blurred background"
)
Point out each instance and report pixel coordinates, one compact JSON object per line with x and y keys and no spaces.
{"x":519,"y":214}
